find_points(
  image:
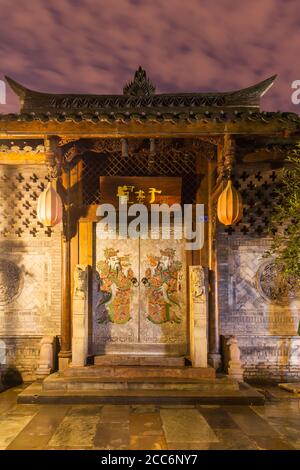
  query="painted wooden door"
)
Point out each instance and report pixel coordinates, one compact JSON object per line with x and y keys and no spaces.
{"x":162,"y":304}
{"x":139,"y":297}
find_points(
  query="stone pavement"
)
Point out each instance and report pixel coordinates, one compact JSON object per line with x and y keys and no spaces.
{"x":273,"y":426}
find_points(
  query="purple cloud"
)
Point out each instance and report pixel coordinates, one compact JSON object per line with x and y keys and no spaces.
{"x":94,"y":46}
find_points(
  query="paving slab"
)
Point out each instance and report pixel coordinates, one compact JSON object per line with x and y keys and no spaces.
{"x":250,"y":423}
{"x":10,"y":427}
{"x":39,"y":430}
{"x":186,"y":426}
{"x":75,"y":432}
{"x":148,"y":443}
{"x":218,"y":418}
{"x":145,"y":424}
{"x":111,"y":436}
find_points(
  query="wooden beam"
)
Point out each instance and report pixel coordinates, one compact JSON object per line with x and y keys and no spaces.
{"x":87,"y":129}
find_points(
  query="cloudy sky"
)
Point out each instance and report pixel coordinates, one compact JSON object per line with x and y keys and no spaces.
{"x":94,"y":46}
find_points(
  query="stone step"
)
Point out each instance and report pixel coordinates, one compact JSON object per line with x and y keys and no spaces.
{"x":59,"y":382}
{"x":246,"y":395}
{"x":141,"y":371}
{"x":139,"y":360}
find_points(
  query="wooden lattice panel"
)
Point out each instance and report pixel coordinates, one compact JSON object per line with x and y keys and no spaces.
{"x":258,"y":191}
{"x":138,"y":164}
{"x":20,"y":188}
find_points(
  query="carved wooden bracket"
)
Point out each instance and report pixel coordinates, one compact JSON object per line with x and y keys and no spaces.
{"x":53,"y":156}
{"x":228,"y":155}
{"x":170,"y":147}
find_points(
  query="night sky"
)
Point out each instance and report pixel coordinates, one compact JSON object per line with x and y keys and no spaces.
{"x":94,"y":46}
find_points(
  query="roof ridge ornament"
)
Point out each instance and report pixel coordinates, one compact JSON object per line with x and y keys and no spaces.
{"x":140,"y":85}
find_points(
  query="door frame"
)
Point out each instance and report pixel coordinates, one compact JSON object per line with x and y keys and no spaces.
{"x":86,"y":253}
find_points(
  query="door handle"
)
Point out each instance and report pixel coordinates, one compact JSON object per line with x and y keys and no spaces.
{"x":145,"y":281}
{"x":134,"y":281}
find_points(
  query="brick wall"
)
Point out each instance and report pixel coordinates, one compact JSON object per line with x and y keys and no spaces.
{"x":266,"y":329}
{"x":29,"y":268}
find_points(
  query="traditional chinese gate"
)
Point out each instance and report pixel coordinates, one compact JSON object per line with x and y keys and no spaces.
{"x":139,"y":297}
{"x":134,"y":304}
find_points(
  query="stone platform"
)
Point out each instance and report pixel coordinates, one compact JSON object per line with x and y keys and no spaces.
{"x":139,"y":360}
{"x":130,"y":372}
{"x":139,"y":384}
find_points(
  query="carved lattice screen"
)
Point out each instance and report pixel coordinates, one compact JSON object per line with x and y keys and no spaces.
{"x":257,"y":187}
{"x":138,"y":164}
{"x":20,"y":187}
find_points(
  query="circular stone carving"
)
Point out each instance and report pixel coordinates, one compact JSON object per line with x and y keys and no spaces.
{"x":10,"y":281}
{"x":271,"y":284}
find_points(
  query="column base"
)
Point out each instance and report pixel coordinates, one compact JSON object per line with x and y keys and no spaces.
{"x":64,"y":358}
{"x":215,"y":360}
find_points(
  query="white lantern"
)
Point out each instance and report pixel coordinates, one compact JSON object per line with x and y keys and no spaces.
{"x":49,"y":207}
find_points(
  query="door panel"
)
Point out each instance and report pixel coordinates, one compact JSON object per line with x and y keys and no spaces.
{"x":116,"y":293}
{"x":163,"y":293}
{"x":139,"y":297}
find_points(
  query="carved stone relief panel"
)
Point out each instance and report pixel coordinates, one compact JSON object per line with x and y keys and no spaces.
{"x":25,"y":293}
{"x":252,"y":308}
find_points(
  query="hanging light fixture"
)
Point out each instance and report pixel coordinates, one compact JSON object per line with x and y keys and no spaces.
{"x":49,"y":207}
{"x":152,"y":147}
{"x":124,"y":144}
{"x":230,"y":205}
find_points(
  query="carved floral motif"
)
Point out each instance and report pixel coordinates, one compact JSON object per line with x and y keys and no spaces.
{"x":80,"y":281}
{"x":197,"y":284}
{"x":272,"y":285}
{"x":10,"y":281}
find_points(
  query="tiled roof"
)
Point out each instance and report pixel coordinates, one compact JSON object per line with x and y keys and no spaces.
{"x":139,"y":97}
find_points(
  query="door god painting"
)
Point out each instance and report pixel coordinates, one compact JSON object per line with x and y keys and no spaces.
{"x":163,"y":287}
{"x":116,"y":281}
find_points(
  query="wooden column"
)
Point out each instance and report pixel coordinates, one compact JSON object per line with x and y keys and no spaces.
{"x":66,"y":295}
{"x":214,"y":357}
{"x":224,"y":166}
{"x":215,"y":176}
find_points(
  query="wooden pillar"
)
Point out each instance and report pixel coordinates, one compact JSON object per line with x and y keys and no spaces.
{"x":224,"y":166}
{"x":66,"y":296}
{"x":54,"y":160}
{"x":214,"y":357}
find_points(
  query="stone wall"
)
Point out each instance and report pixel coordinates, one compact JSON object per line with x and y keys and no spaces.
{"x":29,"y":269}
{"x":264,"y":320}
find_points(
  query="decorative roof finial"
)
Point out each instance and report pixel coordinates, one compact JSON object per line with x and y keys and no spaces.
{"x":140,"y":85}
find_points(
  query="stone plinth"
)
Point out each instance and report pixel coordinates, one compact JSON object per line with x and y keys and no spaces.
{"x":46,"y":360}
{"x":232,"y":363}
